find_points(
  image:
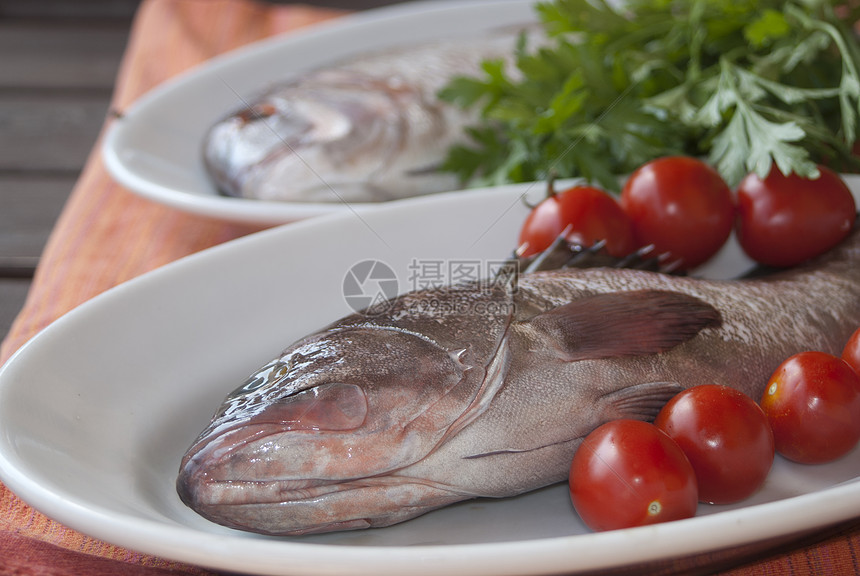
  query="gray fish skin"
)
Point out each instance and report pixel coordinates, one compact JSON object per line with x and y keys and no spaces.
{"x":486,"y":391}
{"x":367,"y":130}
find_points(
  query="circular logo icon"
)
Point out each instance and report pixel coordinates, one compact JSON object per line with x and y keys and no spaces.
{"x":370,"y":287}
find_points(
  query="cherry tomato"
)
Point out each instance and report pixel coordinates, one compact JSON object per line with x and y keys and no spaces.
{"x":851,"y":352}
{"x":812,"y":402}
{"x":628,"y":473}
{"x":785,"y":220}
{"x":726,"y":437}
{"x":680,"y":205}
{"x":592,"y":214}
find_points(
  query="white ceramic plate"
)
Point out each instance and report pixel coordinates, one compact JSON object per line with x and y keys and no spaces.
{"x":155,"y":148}
{"x":97,"y":410}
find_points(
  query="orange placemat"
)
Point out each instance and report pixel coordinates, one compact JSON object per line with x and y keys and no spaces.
{"x":106,"y":236}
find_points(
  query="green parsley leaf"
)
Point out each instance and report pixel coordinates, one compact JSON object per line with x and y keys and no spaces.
{"x":745,"y":83}
{"x":768,"y":27}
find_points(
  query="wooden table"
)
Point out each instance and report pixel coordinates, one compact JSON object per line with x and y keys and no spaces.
{"x":58,"y":63}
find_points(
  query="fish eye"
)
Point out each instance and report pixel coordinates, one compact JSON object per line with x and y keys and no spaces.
{"x":269,"y":374}
{"x":280,"y":370}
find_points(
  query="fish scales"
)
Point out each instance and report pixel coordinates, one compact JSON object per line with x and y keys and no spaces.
{"x":487,"y":393}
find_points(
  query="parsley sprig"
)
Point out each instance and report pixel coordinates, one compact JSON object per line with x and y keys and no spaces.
{"x":744,"y":83}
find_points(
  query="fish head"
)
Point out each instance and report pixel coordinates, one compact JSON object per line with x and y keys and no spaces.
{"x":311,"y":441}
{"x":341,"y":137}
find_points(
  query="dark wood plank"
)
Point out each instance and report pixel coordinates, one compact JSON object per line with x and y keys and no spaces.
{"x":60,"y":56}
{"x":125,"y":9}
{"x":13,"y":293}
{"x":66,"y":9}
{"x":55,"y":83}
{"x":347,"y":4}
{"x":49,"y":132}
{"x":29,"y":207}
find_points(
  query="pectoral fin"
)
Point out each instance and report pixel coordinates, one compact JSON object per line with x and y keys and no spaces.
{"x":640,"y":402}
{"x":629,"y":323}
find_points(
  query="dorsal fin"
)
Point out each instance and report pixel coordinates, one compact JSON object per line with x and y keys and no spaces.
{"x":628,"y":323}
{"x":507,"y":276}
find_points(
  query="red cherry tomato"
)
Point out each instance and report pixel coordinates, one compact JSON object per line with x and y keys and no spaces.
{"x":592,"y":214}
{"x":628,"y":473}
{"x":786,"y":220}
{"x":680,"y":205}
{"x":812,"y":402}
{"x":726,"y":437}
{"x":851,"y":352}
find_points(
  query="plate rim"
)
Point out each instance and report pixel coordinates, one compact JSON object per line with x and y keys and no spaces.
{"x":820,"y":508}
{"x":242,"y":210}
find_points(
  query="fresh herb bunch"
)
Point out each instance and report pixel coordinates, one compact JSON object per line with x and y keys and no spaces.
{"x":743,"y":83}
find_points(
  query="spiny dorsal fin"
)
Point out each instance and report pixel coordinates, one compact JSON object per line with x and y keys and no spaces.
{"x":562,"y":254}
{"x":507,"y":277}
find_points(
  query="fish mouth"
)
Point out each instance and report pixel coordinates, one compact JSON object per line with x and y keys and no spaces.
{"x":313,"y":506}
{"x":220,"y":479}
{"x":218,"y":463}
{"x":262,"y":492}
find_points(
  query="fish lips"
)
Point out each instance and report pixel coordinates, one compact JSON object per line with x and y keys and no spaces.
{"x":235,"y":474}
{"x":287,"y":508}
{"x":211,"y":483}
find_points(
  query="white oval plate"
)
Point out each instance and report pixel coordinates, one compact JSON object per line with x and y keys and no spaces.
{"x":97,"y":410}
{"x":155,"y":148}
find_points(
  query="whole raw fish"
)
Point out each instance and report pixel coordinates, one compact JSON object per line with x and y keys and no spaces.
{"x":366,"y":130}
{"x":487,"y":389}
